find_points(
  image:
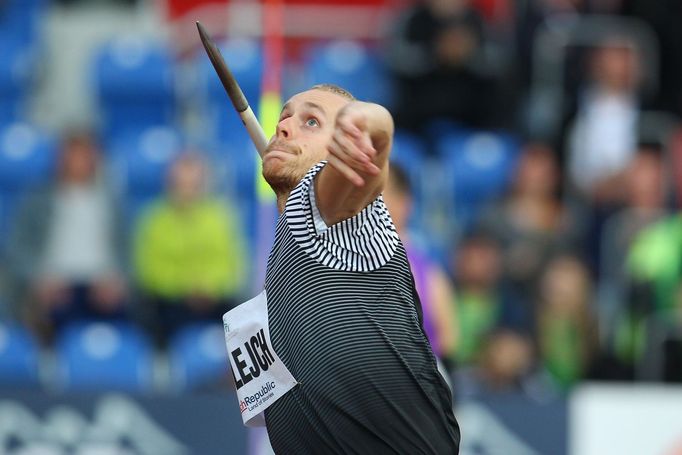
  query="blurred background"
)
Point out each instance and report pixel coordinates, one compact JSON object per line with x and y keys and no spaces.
{"x":536,"y":183}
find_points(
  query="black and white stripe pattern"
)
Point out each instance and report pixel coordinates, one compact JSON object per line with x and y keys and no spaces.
{"x":362,"y":243}
{"x":344,"y":321}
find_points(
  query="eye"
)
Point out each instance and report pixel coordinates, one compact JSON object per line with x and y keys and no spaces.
{"x":312,"y":122}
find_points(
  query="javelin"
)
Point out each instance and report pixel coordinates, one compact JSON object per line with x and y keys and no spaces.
{"x":239,"y":101}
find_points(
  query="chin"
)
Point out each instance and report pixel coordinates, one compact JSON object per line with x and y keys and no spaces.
{"x":280,"y":178}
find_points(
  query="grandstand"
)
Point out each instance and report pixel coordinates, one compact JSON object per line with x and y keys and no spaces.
{"x":543,"y":147}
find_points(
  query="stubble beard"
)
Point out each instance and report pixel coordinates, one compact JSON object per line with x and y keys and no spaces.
{"x":282,"y":176}
{"x":282,"y":179}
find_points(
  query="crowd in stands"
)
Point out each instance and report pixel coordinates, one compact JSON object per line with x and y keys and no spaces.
{"x":534,"y":188}
{"x":572,"y":271}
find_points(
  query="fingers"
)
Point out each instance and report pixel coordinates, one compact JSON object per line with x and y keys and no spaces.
{"x":346,"y":171}
{"x":355,"y":152}
{"x":346,"y":156}
{"x":351,"y":150}
{"x":355,"y":127}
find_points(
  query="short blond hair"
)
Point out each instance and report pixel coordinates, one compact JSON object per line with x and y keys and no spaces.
{"x":334,"y":89}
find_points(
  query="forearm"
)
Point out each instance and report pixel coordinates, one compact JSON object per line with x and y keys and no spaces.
{"x":356,"y":177}
{"x":444,"y":309}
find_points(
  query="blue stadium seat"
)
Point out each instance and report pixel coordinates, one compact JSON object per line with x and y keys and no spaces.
{"x":140,"y":162}
{"x":479,"y":166}
{"x":19,"y":357}
{"x":198,"y":356}
{"x":245,"y":59}
{"x":409,"y":152}
{"x":102,"y":356}
{"x":235,"y":167}
{"x":353,"y":67}
{"x":442,"y":127}
{"x":134,"y":83}
{"x":15,"y":77}
{"x":20,"y":19}
{"x":293,"y":79}
{"x":144,"y":158}
{"x":27,"y":158}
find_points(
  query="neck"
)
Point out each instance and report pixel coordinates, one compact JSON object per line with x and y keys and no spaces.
{"x":282,"y":201}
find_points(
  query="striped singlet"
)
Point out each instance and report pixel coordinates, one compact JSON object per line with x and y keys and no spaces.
{"x":344,"y":319}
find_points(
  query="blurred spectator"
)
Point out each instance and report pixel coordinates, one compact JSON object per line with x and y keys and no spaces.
{"x":654,"y":264}
{"x":530,"y":16}
{"x":655,"y":259}
{"x":433,"y":286}
{"x":505,"y":364}
{"x":604,"y":133}
{"x":638,"y":254}
{"x":566,"y":328}
{"x":481,"y":302}
{"x":532,"y":223}
{"x":67,"y":242}
{"x":189,"y":254}
{"x":506,"y":359}
{"x":624,"y":302}
{"x":435,"y":54}
{"x":644,"y":193}
{"x":664,"y":16}
{"x":646,"y":179}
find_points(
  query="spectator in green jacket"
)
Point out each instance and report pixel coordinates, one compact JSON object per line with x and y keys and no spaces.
{"x":654,"y":303}
{"x":567,"y":329}
{"x":479,"y":304}
{"x":188,"y":252}
{"x":655,"y":259}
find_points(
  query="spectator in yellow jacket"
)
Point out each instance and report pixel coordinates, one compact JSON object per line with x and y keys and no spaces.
{"x":189,"y":254}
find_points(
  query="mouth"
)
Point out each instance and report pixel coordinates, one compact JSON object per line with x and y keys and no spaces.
{"x":282,"y":147}
{"x":280,"y":150}
{"x":276,"y":153}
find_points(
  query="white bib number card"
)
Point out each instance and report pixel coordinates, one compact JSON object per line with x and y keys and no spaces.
{"x":259,"y":374}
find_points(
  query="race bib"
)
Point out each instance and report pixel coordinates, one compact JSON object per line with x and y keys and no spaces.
{"x":259,"y":374}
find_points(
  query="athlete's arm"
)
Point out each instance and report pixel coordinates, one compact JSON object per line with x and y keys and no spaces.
{"x":444,"y":310}
{"x":357,"y":167}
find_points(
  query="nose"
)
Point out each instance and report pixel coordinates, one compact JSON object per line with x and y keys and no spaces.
{"x":285,"y":128}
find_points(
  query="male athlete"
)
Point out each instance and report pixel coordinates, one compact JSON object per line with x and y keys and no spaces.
{"x":343,"y":314}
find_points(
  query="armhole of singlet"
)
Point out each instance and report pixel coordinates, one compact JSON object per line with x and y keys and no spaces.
{"x":318,"y":222}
